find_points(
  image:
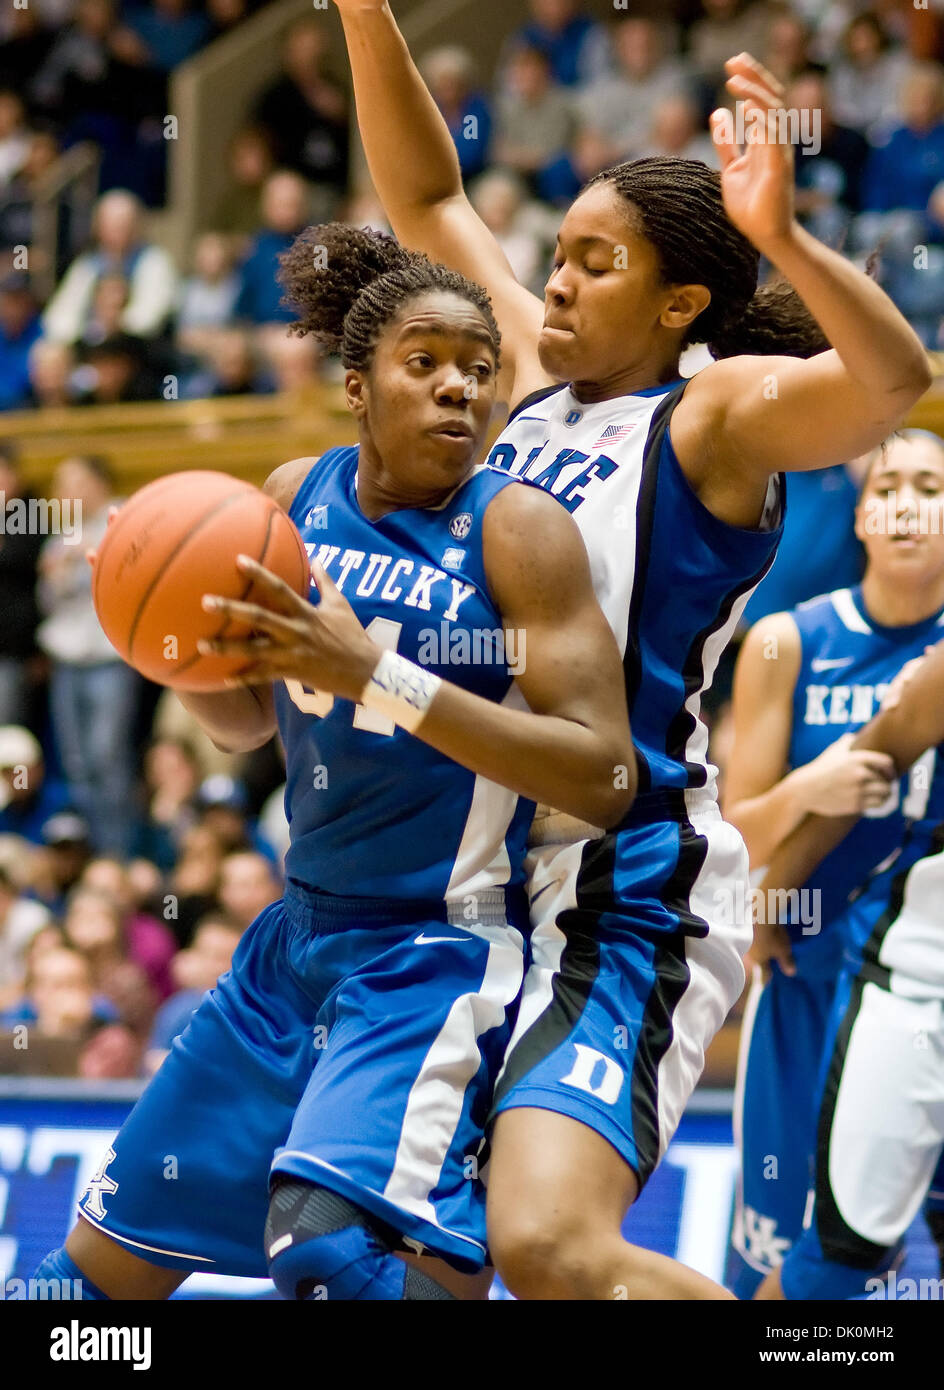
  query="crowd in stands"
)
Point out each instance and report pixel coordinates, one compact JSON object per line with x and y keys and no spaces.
{"x":132,"y":853}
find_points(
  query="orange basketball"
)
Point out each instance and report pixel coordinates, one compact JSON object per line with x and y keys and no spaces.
{"x":172,"y":542}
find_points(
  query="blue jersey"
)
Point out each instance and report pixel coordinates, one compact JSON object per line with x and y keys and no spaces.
{"x":848,"y":663}
{"x":372,"y":810}
{"x":671,"y":578}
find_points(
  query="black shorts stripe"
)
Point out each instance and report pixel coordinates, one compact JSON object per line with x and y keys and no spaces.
{"x":838,"y":1240}
{"x":580,"y":963}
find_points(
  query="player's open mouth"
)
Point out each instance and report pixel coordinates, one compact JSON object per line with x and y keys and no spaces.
{"x":458,"y":431}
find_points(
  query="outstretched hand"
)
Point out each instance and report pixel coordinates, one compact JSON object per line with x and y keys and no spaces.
{"x":757,"y":182}
{"x":324,"y":646}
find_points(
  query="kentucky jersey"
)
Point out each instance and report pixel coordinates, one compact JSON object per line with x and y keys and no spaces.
{"x":848,"y":662}
{"x":671,"y":578}
{"x":372,"y":810}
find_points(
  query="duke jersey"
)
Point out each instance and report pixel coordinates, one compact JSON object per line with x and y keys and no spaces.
{"x":671,"y":578}
{"x":848,"y":662}
{"x":372,"y":810}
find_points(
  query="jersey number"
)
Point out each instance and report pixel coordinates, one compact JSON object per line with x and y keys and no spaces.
{"x":386,"y":633}
{"x":915,"y":803}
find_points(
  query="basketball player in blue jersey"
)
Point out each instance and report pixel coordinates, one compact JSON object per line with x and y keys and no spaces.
{"x":880,"y":1127}
{"x":637,"y":935}
{"x":804,"y":683}
{"x":456,"y":663}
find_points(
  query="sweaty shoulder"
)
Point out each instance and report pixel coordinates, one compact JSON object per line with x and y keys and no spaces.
{"x":283,"y":482}
{"x":529,"y":538}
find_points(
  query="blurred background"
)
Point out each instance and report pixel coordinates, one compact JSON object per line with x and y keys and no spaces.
{"x":155,"y":159}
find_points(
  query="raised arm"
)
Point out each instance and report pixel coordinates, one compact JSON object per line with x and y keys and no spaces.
{"x":744,"y":418}
{"x":571,"y":748}
{"x":415,"y":170}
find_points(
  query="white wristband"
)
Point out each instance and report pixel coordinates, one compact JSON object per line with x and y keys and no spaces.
{"x":401,"y":690}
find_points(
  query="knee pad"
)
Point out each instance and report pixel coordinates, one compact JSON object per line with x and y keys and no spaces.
{"x":320,"y":1245}
{"x":59,"y":1266}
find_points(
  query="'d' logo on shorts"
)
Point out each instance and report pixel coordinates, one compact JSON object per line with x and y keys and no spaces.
{"x":460,"y":525}
{"x":98,"y":1187}
{"x":586,"y":1074}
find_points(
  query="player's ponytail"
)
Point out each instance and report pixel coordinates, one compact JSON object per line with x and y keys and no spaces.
{"x":676,"y":204}
{"x":346,"y":283}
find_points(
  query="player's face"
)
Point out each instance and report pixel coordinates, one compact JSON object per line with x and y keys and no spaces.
{"x":606,"y":308}
{"x":900,"y":516}
{"x":425,"y":402}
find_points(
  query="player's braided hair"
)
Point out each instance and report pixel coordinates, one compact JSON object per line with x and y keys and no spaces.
{"x":347,"y":283}
{"x":676,"y":204}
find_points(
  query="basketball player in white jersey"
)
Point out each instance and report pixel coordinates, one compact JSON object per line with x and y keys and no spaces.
{"x":677,"y":490}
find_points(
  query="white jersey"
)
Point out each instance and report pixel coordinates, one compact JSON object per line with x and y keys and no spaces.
{"x":905,"y":952}
{"x":671,"y":578}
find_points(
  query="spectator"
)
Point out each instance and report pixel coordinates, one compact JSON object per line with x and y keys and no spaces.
{"x":575,"y":46}
{"x":117,"y":368}
{"x":615,"y":112}
{"x":194,"y":880}
{"x":865,"y":83}
{"x":222,"y":805}
{"x":677,"y":133}
{"x":903,"y":173}
{"x":234,"y":368}
{"x":50,"y":372}
{"x":449,"y":74}
{"x":28,"y":798}
{"x":535,"y":125}
{"x":225,"y":15}
{"x":501,"y":200}
{"x":248,"y":883}
{"x":16,"y":200}
{"x":119,"y":249}
{"x":250,"y":162}
{"x":71,"y":1030}
{"x":92,"y":925}
{"x":171,"y":778}
{"x":109,"y":301}
{"x":149,"y":942}
{"x":14,"y":136}
{"x":208,"y":296}
{"x":828,"y":180}
{"x":786,"y":49}
{"x":305,"y":112}
{"x":170,"y":31}
{"x":727,"y":27}
{"x":19,"y":615}
{"x":24,"y":50}
{"x":284,"y":214}
{"x":19,"y":330}
{"x":93,"y":694}
{"x":21,"y":919}
{"x":293,"y":362}
{"x":65,"y":853}
{"x":195,"y":970}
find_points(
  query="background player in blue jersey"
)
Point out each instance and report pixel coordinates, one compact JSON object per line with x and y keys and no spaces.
{"x":805,"y":682}
{"x":880,"y":1126}
{"x":637,"y":935}
{"x":352,"y":1048}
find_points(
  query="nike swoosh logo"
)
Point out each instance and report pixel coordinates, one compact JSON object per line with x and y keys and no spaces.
{"x":424,"y":940}
{"x":541,"y":892}
{"x":820,"y":663}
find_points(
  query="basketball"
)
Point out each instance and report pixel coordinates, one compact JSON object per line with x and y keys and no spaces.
{"x":174,"y":541}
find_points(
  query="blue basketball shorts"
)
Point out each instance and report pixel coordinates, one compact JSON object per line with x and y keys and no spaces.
{"x":353,"y":1044}
{"x":635,"y":961}
{"x":783,"y":1033}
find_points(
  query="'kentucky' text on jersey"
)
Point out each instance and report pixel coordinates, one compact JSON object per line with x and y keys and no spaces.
{"x":374,"y":811}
